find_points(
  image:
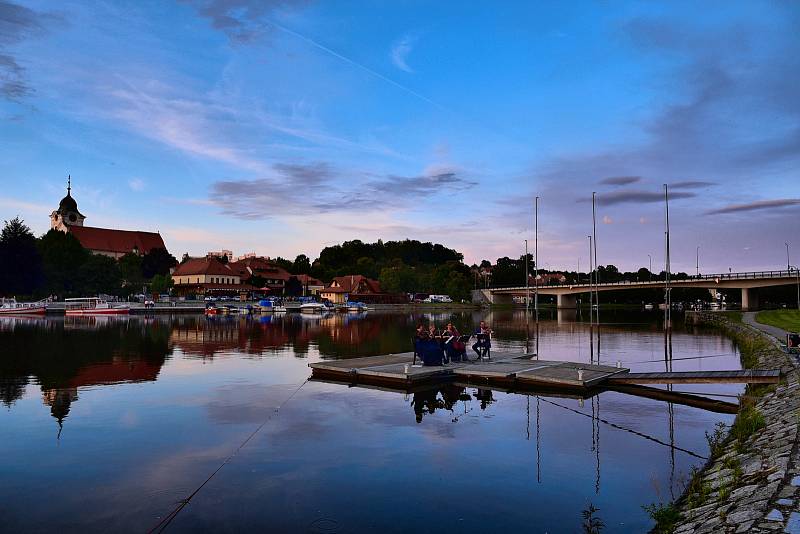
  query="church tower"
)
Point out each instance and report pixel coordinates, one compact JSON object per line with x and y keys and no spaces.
{"x":67,"y":213}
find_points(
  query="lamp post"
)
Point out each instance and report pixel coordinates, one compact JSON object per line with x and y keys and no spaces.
{"x":697,"y":261}
{"x":788,"y":267}
{"x":797,"y":276}
{"x":650,"y":269}
{"x":527,"y":278}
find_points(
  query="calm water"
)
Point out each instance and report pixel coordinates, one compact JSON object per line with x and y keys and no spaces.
{"x":107,"y":425}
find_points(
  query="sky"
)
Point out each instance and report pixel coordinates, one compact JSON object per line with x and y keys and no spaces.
{"x":284,"y":126}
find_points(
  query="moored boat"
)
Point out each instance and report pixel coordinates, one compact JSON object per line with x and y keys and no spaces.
{"x":12,"y":307}
{"x":94,"y":306}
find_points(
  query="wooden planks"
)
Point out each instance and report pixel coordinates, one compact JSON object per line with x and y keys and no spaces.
{"x":748,"y":376}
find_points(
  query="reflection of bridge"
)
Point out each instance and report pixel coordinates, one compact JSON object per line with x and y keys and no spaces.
{"x":566,"y":294}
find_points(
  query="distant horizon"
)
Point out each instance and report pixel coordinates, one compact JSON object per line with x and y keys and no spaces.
{"x":282,"y":128}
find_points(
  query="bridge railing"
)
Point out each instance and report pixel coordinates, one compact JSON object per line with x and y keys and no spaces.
{"x":747,"y":275}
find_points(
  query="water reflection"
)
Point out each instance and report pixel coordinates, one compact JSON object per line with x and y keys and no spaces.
{"x":152,"y":405}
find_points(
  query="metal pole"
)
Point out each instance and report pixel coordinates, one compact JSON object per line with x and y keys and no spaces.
{"x":788,"y":266}
{"x":591,"y":292}
{"x":536,"y":258}
{"x":650,"y":269}
{"x":667,"y":299}
{"x":527,"y":282}
{"x":596,"y":274}
{"x":697,"y":261}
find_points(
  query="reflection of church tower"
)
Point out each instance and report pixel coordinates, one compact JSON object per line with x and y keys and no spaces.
{"x":67,"y":213}
{"x":59,"y":400}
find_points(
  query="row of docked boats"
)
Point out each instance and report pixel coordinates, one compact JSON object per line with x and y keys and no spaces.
{"x":74,"y":306}
{"x":268,"y":306}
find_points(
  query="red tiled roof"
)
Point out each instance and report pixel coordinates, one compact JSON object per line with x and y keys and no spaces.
{"x":261,"y":267}
{"x":307,"y":280}
{"x":352,"y":284}
{"x":119,"y":241}
{"x":204,"y":266}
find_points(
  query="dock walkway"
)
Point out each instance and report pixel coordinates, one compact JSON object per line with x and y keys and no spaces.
{"x":396,"y":369}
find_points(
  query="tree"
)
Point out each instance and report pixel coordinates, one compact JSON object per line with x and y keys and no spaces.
{"x":62,"y":257}
{"x":157,"y":261}
{"x":21,"y":270}
{"x":100,"y":274}
{"x":161,"y":284}
{"x":293,"y":287}
{"x":302,"y":265}
{"x":130,"y":270}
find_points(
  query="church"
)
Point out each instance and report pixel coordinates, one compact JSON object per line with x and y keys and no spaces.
{"x":105,"y":241}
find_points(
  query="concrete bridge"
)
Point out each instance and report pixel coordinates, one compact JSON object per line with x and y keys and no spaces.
{"x":566,"y":294}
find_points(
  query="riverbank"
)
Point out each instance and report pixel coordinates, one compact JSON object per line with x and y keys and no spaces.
{"x":749,"y":484}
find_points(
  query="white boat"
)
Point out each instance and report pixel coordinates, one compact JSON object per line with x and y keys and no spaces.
{"x":94,"y":306}
{"x":12,"y":307}
{"x":316,"y":307}
{"x":356,"y":307}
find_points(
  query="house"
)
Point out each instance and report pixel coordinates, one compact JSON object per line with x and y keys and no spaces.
{"x":311,"y":285}
{"x":208,"y":275}
{"x":105,"y":241}
{"x":551,"y":279}
{"x":273,"y":277}
{"x":359,"y":288}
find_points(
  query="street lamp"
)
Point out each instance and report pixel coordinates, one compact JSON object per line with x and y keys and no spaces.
{"x":650,"y":270}
{"x":788,"y":267}
{"x":797,"y":275}
{"x":697,"y":261}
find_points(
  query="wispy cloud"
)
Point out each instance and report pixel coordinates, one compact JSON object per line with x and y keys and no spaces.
{"x":294,"y":189}
{"x":136,"y":184}
{"x":621,"y":180}
{"x":756,"y":206}
{"x":689,"y":184}
{"x":400,"y":51}
{"x":636,"y":197}
{"x":17,"y":23}
{"x":243,"y":21}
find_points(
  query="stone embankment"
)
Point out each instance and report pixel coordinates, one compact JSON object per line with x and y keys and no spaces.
{"x":751,"y":482}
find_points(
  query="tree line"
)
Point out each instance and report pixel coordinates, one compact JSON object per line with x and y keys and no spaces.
{"x":56,"y":264}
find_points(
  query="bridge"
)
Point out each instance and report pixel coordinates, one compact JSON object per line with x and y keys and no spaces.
{"x":566,"y":294}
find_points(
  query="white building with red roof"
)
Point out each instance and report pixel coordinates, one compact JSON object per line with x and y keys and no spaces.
{"x":105,"y":241}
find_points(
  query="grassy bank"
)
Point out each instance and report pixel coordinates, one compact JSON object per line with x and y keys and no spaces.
{"x":786,"y":319}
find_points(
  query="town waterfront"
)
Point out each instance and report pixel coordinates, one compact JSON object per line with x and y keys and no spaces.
{"x":108,"y":423}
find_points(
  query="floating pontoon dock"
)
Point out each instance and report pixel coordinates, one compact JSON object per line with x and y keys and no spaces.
{"x":517,"y":371}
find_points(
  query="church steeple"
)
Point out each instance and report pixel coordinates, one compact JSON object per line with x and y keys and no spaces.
{"x":67,"y":213}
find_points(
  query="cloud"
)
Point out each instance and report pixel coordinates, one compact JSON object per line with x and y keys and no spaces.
{"x":17,"y":23}
{"x":637,"y":197}
{"x":621,"y":180}
{"x":136,"y":184}
{"x":243,"y":21}
{"x":689,"y":184}
{"x":756,"y":206}
{"x":294,"y":189}
{"x":400,"y":51}
{"x":607,"y":220}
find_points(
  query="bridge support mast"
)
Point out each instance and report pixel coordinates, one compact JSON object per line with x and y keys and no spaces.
{"x":749,"y":299}
{"x":566,"y":302}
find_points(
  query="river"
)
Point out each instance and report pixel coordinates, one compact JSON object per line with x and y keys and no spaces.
{"x":108,"y":424}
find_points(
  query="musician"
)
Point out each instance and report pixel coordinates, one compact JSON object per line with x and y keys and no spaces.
{"x":484,"y":339}
{"x":456,"y":350}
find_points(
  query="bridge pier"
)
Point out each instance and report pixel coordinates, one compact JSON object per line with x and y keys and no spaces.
{"x":566,"y":302}
{"x":749,"y":299}
{"x":482,"y":296}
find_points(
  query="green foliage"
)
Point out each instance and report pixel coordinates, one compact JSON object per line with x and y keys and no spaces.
{"x":21,"y":270}
{"x":302,"y":265}
{"x":697,"y":491}
{"x":747,"y":423}
{"x":787,"y":319}
{"x":716,"y":439}
{"x":99,"y":274}
{"x":161,"y":284}
{"x":130,"y":268}
{"x":592,"y":524}
{"x":293,"y":287}
{"x":157,"y":261}
{"x":62,"y":257}
{"x":666,"y":517}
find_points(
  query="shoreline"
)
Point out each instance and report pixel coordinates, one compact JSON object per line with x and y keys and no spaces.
{"x":747,"y":484}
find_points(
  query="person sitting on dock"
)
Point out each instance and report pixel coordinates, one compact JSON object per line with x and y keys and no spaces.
{"x":456,"y":350}
{"x":427,"y":348}
{"x":484,"y":343}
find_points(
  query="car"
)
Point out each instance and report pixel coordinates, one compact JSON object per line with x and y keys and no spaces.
{"x":224,"y":298}
{"x":210,"y":299}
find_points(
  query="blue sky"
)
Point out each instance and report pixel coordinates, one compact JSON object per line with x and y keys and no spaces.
{"x":283,"y":126}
